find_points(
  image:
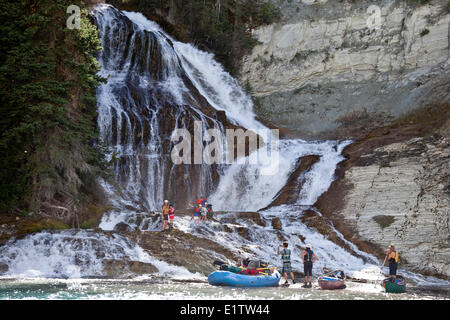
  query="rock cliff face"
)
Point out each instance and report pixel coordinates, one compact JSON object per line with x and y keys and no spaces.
{"x":337,"y":69}
{"x":403,"y":198}
{"x":394,"y":188}
{"x":328,"y":64}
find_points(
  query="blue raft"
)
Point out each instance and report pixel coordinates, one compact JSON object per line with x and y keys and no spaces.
{"x":227,"y":278}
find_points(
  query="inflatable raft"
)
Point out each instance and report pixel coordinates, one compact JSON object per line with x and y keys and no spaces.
{"x":331,"y":283}
{"x":227,"y":278}
{"x":397,"y":285}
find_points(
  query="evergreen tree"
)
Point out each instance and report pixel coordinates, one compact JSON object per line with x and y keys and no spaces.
{"x":48,"y":137}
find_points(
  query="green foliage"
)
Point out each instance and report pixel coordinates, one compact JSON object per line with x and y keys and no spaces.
{"x":48,"y":106}
{"x":424,"y":32}
{"x":417,"y":2}
{"x":384,"y":221}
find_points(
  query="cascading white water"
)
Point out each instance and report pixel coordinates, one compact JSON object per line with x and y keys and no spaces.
{"x":75,"y":254}
{"x":148,"y":96}
{"x":220,"y":89}
{"x":245,"y":188}
{"x":71,"y":254}
{"x":156,"y":85}
{"x":242,"y":187}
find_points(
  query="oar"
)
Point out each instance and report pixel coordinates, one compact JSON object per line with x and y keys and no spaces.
{"x":218,"y":263}
{"x":380,"y":269}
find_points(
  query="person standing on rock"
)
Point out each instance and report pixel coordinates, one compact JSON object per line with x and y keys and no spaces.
{"x":204,"y":212}
{"x":286,"y":258}
{"x":171,"y":216}
{"x":309,"y":258}
{"x":165,"y":214}
{"x":392,"y":258}
{"x":196,"y":214}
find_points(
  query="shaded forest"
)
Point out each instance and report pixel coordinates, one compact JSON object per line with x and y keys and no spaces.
{"x":50,"y":156}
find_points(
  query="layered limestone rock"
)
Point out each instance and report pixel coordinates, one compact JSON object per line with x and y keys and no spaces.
{"x":327,"y":63}
{"x":403,"y":198}
{"x":394,"y":187}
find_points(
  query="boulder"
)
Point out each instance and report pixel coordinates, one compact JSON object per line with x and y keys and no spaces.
{"x":122,"y":227}
{"x":3,"y":268}
{"x":176,"y":247}
{"x":276,"y":223}
{"x":126,"y":268}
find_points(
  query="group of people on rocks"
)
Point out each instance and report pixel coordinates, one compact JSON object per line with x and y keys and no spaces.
{"x":168,"y":215}
{"x":201,"y":209}
{"x":309,"y":258}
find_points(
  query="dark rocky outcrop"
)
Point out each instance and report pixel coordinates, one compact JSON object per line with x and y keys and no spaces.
{"x":126,"y":268}
{"x":122,"y":227}
{"x":3,"y":268}
{"x":290,"y":192}
{"x":176,"y":247}
{"x":276,"y":224}
{"x":252,"y":217}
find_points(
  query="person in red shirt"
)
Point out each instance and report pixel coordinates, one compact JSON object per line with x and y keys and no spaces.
{"x":171,"y":216}
{"x":196,"y":214}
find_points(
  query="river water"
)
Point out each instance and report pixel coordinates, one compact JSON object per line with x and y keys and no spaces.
{"x":158,"y":75}
{"x":161,"y":289}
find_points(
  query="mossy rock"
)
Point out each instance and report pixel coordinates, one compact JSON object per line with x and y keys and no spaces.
{"x":91,"y":216}
{"x":384,"y":221}
{"x":31,"y":226}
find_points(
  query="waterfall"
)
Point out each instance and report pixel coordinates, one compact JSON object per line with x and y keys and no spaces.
{"x":156,"y":85}
{"x":152,"y":78}
{"x":76,"y":254}
{"x":244,"y":188}
{"x":66,"y":254}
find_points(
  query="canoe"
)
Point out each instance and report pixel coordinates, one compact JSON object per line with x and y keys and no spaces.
{"x":397,"y":285}
{"x":227,"y":278}
{"x":331,"y":283}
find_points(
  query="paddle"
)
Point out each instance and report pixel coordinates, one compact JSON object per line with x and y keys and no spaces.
{"x":218,"y":263}
{"x":380,"y":269}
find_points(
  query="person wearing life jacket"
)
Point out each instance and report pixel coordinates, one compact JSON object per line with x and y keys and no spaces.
{"x":392,"y":258}
{"x":165,"y":214}
{"x":309,"y":258}
{"x":286,"y":259}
